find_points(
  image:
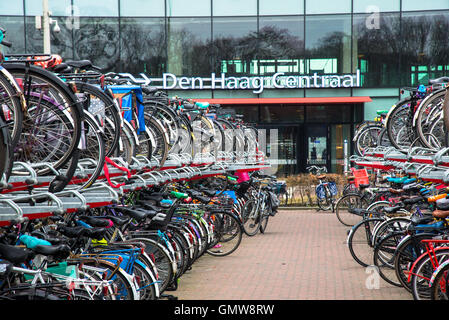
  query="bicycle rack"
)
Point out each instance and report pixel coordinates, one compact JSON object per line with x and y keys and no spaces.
{"x":26,"y":194}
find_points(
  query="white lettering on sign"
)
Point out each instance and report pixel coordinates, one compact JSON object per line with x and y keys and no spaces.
{"x":257,"y":84}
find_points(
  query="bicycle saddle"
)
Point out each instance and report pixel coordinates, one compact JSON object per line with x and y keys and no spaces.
{"x":439,"y":80}
{"x":396,"y":191}
{"x":149,"y":90}
{"x":413,"y":200}
{"x":321,"y":176}
{"x":133,"y":213}
{"x":95,"y":222}
{"x":392,"y":209}
{"x":415,"y":220}
{"x":363,"y":186}
{"x":14,"y":254}
{"x":81,"y":64}
{"x":61,"y":251}
{"x":116,"y":220}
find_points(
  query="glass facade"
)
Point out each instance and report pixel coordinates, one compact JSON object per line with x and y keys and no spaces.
{"x":392,"y":43}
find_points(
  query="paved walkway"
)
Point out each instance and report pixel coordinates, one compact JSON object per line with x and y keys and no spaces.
{"x":302,"y":256}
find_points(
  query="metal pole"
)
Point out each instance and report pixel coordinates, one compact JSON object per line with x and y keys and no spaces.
{"x":46,"y":26}
{"x":346,"y":160}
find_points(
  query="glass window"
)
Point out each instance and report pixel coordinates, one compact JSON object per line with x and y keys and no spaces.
{"x":369,"y":6}
{"x":424,"y":46}
{"x":97,"y":40}
{"x":281,"y":45}
{"x":234,"y":7}
{"x":376,"y":48}
{"x":143,"y":48}
{"x":61,"y":42}
{"x":420,"y":5}
{"x":329,"y":113}
{"x":57,"y":7}
{"x":270,"y":7}
{"x":186,"y":8}
{"x":188,"y":46}
{"x":281,"y":113}
{"x":142,"y":8}
{"x":235,"y":45}
{"x":249,"y":112}
{"x":9,"y":8}
{"x":98,"y":8}
{"x":328,"y":44}
{"x":328,"y":6}
{"x":14,"y":27}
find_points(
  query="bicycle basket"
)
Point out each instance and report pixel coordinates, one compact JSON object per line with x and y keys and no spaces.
{"x":333,"y":188}
{"x":320,"y":192}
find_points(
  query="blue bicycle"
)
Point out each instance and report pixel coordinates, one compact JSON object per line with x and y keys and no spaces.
{"x":325,"y":191}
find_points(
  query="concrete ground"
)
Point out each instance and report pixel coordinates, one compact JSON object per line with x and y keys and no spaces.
{"x":302,"y":256}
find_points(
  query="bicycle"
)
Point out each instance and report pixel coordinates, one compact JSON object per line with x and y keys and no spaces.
{"x":325,"y":191}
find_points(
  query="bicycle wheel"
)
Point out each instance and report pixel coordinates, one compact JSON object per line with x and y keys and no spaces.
{"x":398,"y":224}
{"x":6,"y":152}
{"x":103,"y":107}
{"x":251,"y":217}
{"x":399,"y":125}
{"x":145,"y":281}
{"x":429,"y":108}
{"x":47,"y":136}
{"x":228,"y":233}
{"x":264,"y":222}
{"x":423,"y":271}
{"x":439,"y":288}
{"x":162,"y":259}
{"x":347,"y":203}
{"x":93,"y":155}
{"x":367,"y":138}
{"x":408,"y":251}
{"x":42,"y":85}
{"x":11,"y":104}
{"x":383,"y":257}
{"x":123,"y":288}
{"x":325,"y":203}
{"x":360,"y":241}
{"x":160,"y":136}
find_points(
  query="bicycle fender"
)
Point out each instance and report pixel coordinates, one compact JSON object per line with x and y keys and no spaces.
{"x":434,"y":274}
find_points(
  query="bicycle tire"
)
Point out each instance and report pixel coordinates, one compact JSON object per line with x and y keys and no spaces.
{"x":250,"y":218}
{"x":10,"y":98}
{"x":407,"y":252}
{"x":383,"y":257}
{"x":61,"y":93}
{"x":360,"y":242}
{"x":439,"y":288}
{"x":423,"y":271}
{"x":230,"y":225}
{"x":347,"y":202}
{"x":400,"y":117}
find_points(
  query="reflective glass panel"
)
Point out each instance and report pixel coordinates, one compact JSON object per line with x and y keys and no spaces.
{"x":188,"y":46}
{"x":97,"y":39}
{"x":187,"y":8}
{"x":98,"y":8}
{"x":328,"y":6}
{"x":284,"y":7}
{"x":376,"y":48}
{"x":235,"y":45}
{"x":328,"y":44}
{"x":234,"y":7}
{"x":142,"y":8}
{"x":143,"y":48}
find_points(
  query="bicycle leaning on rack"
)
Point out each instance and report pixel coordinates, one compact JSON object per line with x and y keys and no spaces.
{"x":325,"y":191}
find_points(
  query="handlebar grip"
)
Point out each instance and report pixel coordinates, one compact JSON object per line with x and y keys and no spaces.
{"x":6,"y":43}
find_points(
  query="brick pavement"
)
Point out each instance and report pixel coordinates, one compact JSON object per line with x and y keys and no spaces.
{"x":302,"y":256}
